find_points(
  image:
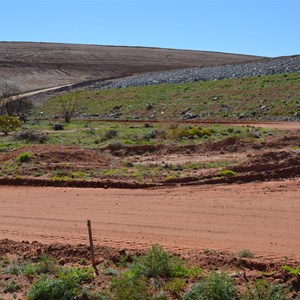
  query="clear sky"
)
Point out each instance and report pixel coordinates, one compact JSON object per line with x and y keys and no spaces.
{"x":260,"y":27}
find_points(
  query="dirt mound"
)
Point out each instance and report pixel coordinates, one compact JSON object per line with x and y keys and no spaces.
{"x":49,"y":154}
{"x":271,"y":161}
{"x":244,"y":271}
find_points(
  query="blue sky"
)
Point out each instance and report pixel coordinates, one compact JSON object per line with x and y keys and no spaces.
{"x":260,"y":27}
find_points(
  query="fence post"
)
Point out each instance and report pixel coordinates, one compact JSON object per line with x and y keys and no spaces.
{"x":92,"y":246}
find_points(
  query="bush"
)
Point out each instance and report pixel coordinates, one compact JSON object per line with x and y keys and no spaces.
{"x":11,"y":287}
{"x":31,"y":136}
{"x":130,"y":287}
{"x":77,"y":275}
{"x":158,"y":263}
{"x":189,"y":132}
{"x":263,"y":290}
{"x":49,"y":288}
{"x":9,"y":124}
{"x":58,"y":127}
{"x":214,"y":287}
{"x":246,"y":254}
{"x":24,"y":157}
{"x":110,"y":134}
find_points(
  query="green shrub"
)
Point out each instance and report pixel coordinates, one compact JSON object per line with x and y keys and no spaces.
{"x":31,"y":136}
{"x":246,"y":253}
{"x":77,"y":275}
{"x":110,"y":134}
{"x":128,"y":286}
{"x":9,"y":124}
{"x":189,"y":132}
{"x":24,"y":157}
{"x":157,"y":263}
{"x":215,"y":287}
{"x":291,"y":270}
{"x":175,"y":285}
{"x":13,"y":268}
{"x":53,"y":289}
{"x":57,"y":127}
{"x":227,"y":173}
{"x":45,"y":265}
{"x":11,"y":287}
{"x":264,"y":290}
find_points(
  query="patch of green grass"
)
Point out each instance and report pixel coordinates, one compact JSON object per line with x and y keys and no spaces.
{"x":227,"y":173}
{"x":24,"y":157}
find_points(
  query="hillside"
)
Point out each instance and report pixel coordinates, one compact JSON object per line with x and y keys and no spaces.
{"x":269,"y":97}
{"x":33,"y":66}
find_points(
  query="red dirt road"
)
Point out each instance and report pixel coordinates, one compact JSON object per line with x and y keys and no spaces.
{"x":262,"y":217}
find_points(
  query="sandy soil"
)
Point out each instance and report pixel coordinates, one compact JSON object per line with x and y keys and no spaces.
{"x":262,"y":217}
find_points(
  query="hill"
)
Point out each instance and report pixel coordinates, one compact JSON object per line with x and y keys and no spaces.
{"x":33,"y":66}
{"x":268,"y":97}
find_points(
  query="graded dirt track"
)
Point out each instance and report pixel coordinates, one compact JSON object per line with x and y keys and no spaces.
{"x":262,"y":217}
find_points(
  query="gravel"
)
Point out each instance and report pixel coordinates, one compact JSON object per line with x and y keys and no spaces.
{"x":279,"y":65}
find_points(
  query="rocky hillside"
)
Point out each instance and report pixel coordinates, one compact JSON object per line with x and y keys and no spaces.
{"x":280,"y":65}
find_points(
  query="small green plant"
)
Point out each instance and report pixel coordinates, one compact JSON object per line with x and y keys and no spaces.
{"x":263,"y":290}
{"x":24,"y":157}
{"x":77,"y":275}
{"x":175,"y":285}
{"x":128,"y":286}
{"x":53,"y":288}
{"x":214,"y":287}
{"x":11,"y":287}
{"x":246,"y":253}
{"x":291,"y":270}
{"x":13,"y":268}
{"x":227,"y":173}
{"x":157,"y":263}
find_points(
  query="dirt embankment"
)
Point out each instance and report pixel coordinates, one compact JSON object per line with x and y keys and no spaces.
{"x":32,"y":66}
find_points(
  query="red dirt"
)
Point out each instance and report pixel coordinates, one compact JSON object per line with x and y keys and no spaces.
{"x":262,"y":217}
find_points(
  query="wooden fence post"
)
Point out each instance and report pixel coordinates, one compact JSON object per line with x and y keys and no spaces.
{"x":92,"y":246}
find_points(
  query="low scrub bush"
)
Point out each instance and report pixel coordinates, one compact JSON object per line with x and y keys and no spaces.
{"x":291,"y":270}
{"x":157,"y":263}
{"x":53,"y":288}
{"x":264,"y":290}
{"x":110,"y":134}
{"x":246,"y":253}
{"x":214,"y":287}
{"x":9,"y":124}
{"x":227,"y":173}
{"x":24,"y":157}
{"x":58,"y":127}
{"x":128,"y":286}
{"x":189,"y":132}
{"x":11,"y":287}
{"x":31,"y":136}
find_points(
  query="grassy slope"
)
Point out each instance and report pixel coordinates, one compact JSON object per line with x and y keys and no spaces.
{"x":254,"y":97}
